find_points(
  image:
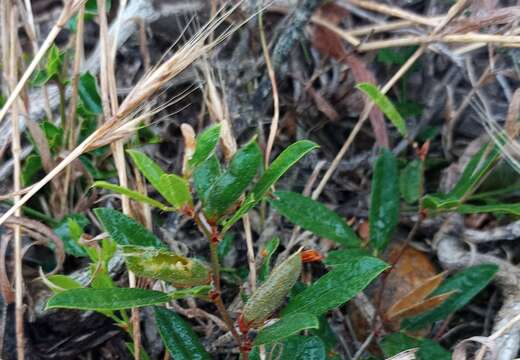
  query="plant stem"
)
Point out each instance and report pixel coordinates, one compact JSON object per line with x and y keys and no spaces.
{"x":217,"y":298}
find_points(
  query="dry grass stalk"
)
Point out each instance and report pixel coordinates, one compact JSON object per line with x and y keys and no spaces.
{"x":218,"y":111}
{"x":454,"y":10}
{"x":12,"y":24}
{"x":110,"y":107}
{"x":69,"y":9}
{"x":121,"y":124}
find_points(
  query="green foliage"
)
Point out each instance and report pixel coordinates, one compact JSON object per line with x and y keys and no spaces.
{"x":314,"y":216}
{"x":287,"y":326}
{"x":53,"y":134}
{"x":205,"y":146}
{"x":178,"y":190}
{"x":172,"y":187}
{"x":476,"y":169}
{"x":165,"y":265}
{"x":106,"y":299}
{"x":31,"y":166}
{"x":384,"y":200}
{"x":125,"y":230}
{"x":52,"y":68}
{"x":88,"y":94}
{"x":59,"y":283}
{"x":466,"y":283}
{"x":205,"y":176}
{"x":427,"y":349}
{"x":178,"y":337}
{"x":290,"y":156}
{"x":134,"y":195}
{"x":411,"y":181}
{"x":228,"y":187}
{"x":385,"y":105}
{"x":294,"y":348}
{"x":336,"y":287}
{"x":267,"y":254}
{"x":69,"y":230}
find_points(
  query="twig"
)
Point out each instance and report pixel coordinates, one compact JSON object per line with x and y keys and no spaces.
{"x":69,"y":9}
{"x":364,"y":116}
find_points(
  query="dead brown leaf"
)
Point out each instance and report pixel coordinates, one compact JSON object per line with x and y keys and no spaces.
{"x":330,"y":44}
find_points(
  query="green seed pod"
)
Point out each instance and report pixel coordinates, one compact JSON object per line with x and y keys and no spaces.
{"x":165,"y":265}
{"x":269,"y":296}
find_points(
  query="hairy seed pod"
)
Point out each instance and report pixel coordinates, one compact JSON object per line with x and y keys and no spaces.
{"x":268,"y":297}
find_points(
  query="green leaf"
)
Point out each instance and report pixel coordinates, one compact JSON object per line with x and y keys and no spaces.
{"x":511,"y":209}
{"x":228,"y":187}
{"x":134,"y":195}
{"x":205,"y":175}
{"x":411,"y":181}
{"x":467,"y":283}
{"x":178,"y":337}
{"x":385,"y":105}
{"x":165,"y":265}
{"x":59,"y":283}
{"x":205,"y":146}
{"x":176,"y":190}
{"x":125,"y":230}
{"x":478,"y":166}
{"x":384,"y":200}
{"x":395,"y":343}
{"x":336,"y":287}
{"x":340,"y":257}
{"x":267,"y":254}
{"x":69,"y":230}
{"x":225,"y":245}
{"x":294,"y":348}
{"x":54,"y":61}
{"x":161,"y":181}
{"x":290,"y":156}
{"x":314,"y":216}
{"x":31,"y":166}
{"x":287,"y":326}
{"x":40,"y":78}
{"x":53,"y":134}
{"x":88,"y":93}
{"x":106,"y":299}
{"x":200,"y":291}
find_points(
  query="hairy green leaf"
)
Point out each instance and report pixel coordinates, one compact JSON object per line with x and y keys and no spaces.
{"x":287,"y":326}
{"x":267,"y":254}
{"x":511,"y":209}
{"x":290,"y":156}
{"x":178,"y":190}
{"x":88,"y":93}
{"x":31,"y":166}
{"x":294,"y":348}
{"x":384,"y":200}
{"x":125,"y":230}
{"x":411,"y":181}
{"x":205,"y":147}
{"x":134,"y":195}
{"x":228,"y":187}
{"x":205,"y":175}
{"x":428,"y":349}
{"x":59,"y":283}
{"x":314,"y":216}
{"x":178,"y":337}
{"x":336,"y":287}
{"x":106,"y":299}
{"x":385,"y":105}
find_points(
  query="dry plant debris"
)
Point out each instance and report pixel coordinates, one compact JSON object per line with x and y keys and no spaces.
{"x":198,"y":179}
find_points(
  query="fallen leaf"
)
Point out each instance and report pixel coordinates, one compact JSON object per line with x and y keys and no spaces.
{"x":330,"y":44}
